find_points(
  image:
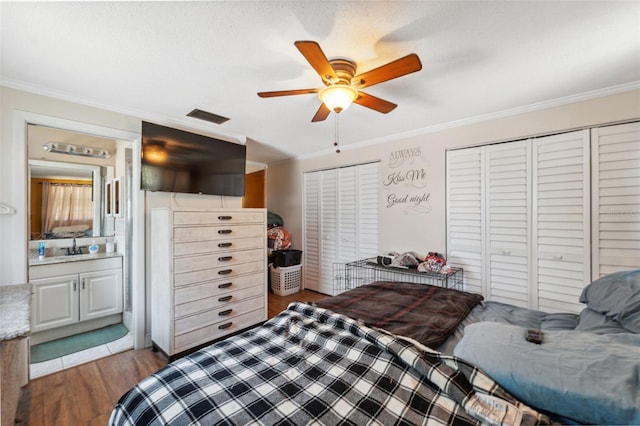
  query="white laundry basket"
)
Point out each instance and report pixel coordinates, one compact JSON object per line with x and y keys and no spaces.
{"x":285,"y":280}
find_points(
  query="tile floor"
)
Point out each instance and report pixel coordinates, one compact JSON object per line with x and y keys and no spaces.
{"x":47,"y":367}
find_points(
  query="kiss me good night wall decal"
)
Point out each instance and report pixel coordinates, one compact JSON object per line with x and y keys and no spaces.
{"x":406,"y":180}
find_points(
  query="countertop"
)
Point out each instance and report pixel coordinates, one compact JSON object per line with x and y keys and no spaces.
{"x":15,"y":311}
{"x":34,"y":261}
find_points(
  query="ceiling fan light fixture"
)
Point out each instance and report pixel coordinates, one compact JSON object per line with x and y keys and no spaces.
{"x":338,"y":97}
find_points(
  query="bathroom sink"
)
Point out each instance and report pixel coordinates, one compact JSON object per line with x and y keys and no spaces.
{"x":68,"y":258}
{"x":77,"y":256}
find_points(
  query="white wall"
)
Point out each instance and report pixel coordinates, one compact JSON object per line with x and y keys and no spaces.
{"x":405,"y":227}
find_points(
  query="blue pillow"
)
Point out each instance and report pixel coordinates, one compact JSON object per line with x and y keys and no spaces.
{"x":617,"y":296}
{"x":595,"y":322}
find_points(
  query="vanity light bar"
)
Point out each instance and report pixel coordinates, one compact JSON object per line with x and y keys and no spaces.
{"x":85,"y":151}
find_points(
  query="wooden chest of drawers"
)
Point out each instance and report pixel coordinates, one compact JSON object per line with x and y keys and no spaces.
{"x":208,"y":275}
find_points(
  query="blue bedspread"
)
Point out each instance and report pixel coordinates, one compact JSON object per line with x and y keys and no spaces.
{"x":583,"y":376}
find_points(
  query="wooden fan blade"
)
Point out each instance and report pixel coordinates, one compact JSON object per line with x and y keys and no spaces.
{"x":286,"y":93}
{"x":321,"y":114}
{"x":374,"y":103}
{"x":317,"y":59}
{"x":398,"y":68}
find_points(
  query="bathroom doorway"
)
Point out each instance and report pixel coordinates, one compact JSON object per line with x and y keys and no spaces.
{"x":130,"y":227}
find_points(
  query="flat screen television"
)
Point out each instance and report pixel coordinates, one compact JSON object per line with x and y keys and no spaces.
{"x":178,"y":161}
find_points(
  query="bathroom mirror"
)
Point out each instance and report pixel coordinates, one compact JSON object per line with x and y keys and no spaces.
{"x":65,"y":200}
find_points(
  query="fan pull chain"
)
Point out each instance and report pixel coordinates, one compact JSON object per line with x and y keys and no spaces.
{"x":337,"y":135}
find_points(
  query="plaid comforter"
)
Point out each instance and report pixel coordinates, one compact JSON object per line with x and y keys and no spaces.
{"x":311,"y":366}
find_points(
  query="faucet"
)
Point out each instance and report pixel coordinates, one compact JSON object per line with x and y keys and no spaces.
{"x":73,"y":249}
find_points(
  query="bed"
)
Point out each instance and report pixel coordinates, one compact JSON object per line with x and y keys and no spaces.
{"x":339,"y":362}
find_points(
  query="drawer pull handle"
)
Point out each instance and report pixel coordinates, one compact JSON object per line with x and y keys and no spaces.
{"x":225,"y":285}
{"x":225,"y":325}
{"x":225,"y":272}
{"x":224,"y":245}
{"x":224,"y":231}
{"x":224,"y":299}
{"x":224,"y":258}
{"x":225,"y":217}
{"x":225,"y":313}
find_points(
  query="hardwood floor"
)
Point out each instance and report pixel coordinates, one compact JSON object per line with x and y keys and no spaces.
{"x":278,"y":304}
{"x":85,"y":395}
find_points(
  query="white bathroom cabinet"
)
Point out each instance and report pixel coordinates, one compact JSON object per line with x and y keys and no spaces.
{"x":72,"y":292}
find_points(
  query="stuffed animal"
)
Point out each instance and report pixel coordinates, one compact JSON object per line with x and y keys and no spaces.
{"x":433,"y":262}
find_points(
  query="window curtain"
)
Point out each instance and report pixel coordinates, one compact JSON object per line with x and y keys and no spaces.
{"x":66,"y":205}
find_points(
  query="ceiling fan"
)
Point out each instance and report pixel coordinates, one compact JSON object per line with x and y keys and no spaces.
{"x":342,"y":84}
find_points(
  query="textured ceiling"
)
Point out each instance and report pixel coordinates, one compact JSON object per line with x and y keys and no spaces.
{"x":160,"y":60}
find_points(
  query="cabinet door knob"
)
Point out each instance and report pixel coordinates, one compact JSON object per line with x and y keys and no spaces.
{"x":225,"y":272}
{"x":225,"y":285}
{"x":225,"y":313}
{"x":224,"y":299}
{"x":225,"y":325}
{"x":225,"y":217}
{"x":224,"y":231}
{"x":224,"y":258}
{"x":224,"y":245}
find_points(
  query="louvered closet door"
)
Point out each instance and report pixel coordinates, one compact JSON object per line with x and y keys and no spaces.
{"x":341,"y":220}
{"x":465,"y":215}
{"x":320,"y":229}
{"x":358,"y":212}
{"x":321,"y":243}
{"x":561,"y":264}
{"x":507,"y":222}
{"x":329,"y":242}
{"x":347,"y":250}
{"x":615,"y":198}
{"x":311,"y":252}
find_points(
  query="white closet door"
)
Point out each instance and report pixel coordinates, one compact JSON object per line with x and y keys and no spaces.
{"x":508,"y":222}
{"x":358,"y":201}
{"x":465,"y":215}
{"x":311,"y":250}
{"x":329,"y":229}
{"x":561,"y":257}
{"x":347,"y":249}
{"x":616,"y":198}
{"x":341,"y":220}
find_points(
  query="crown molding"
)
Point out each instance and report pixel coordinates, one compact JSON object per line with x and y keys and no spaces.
{"x":594,"y":94}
